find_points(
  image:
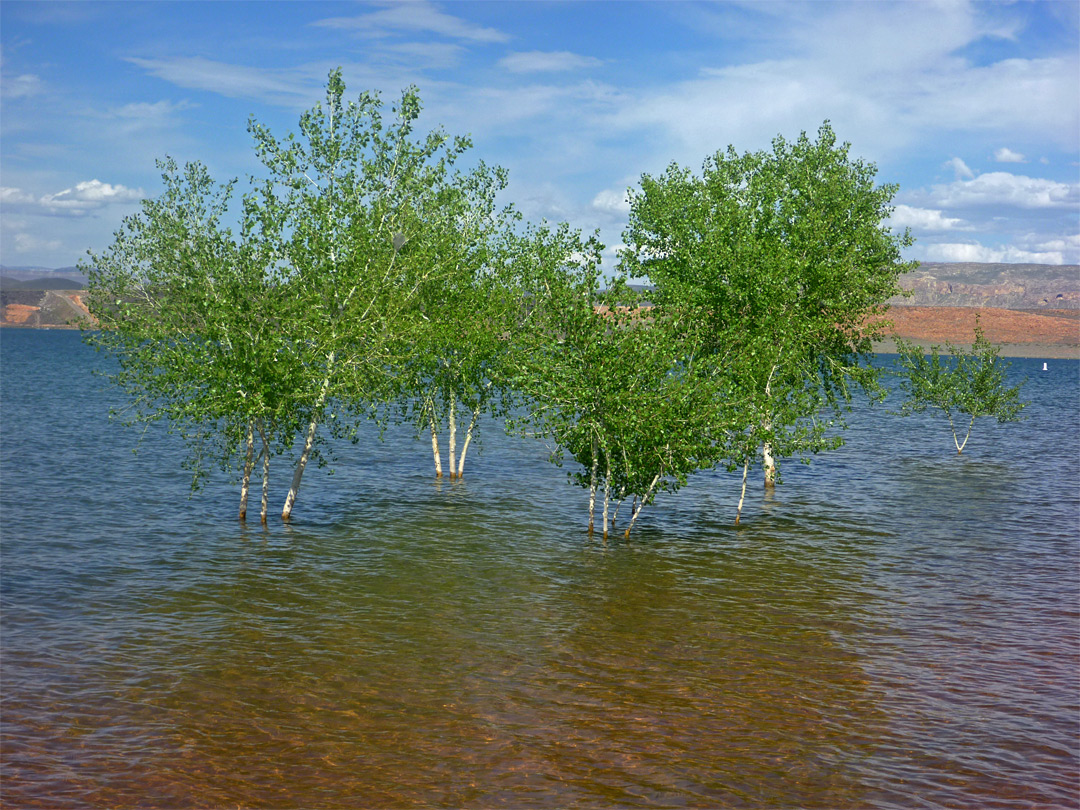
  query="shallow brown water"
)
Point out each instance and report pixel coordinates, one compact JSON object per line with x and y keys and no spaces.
{"x":894,"y":628}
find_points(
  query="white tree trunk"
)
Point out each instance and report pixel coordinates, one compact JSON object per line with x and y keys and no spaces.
{"x":249,"y":462}
{"x":768,"y":462}
{"x":435,"y":442}
{"x":742,"y":495}
{"x":960,"y":445}
{"x":618,"y":506}
{"x":309,"y":441}
{"x":264,"y":506}
{"x":607,"y":499}
{"x":468,"y":438}
{"x":452,"y":442}
{"x":592,"y":490}
{"x":640,"y":506}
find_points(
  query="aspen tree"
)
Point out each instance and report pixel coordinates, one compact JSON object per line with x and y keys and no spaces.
{"x":786,"y":256}
{"x":969,"y":383}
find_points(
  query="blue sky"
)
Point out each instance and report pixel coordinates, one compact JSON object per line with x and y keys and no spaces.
{"x":972,"y":108}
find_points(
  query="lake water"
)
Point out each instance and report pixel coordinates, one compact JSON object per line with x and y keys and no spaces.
{"x":895,"y":627}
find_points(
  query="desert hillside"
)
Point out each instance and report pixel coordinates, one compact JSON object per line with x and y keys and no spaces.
{"x":1021,"y":333}
{"x":1002,"y":286}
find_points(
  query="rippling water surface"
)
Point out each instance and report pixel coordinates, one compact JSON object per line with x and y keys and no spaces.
{"x":896,"y":627}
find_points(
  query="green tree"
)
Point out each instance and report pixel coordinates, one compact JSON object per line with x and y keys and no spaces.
{"x":309,"y":314}
{"x":468,"y":311}
{"x":610,"y":387}
{"x":352,"y":213}
{"x":185,"y":308}
{"x":967,"y":382}
{"x":786,"y":259}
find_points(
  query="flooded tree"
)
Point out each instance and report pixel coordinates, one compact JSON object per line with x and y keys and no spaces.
{"x":785,"y":256}
{"x":348,"y":212}
{"x":970,"y":383}
{"x":468,"y":311}
{"x":608,"y":385}
{"x":185,"y":307}
{"x":306,"y":316}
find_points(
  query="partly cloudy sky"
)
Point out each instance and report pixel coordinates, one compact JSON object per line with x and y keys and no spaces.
{"x":972,"y":108}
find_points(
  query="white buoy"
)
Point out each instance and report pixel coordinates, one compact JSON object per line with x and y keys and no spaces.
{"x":1044,"y":367}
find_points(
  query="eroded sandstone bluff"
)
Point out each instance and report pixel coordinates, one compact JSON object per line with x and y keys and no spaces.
{"x":1000,"y":286}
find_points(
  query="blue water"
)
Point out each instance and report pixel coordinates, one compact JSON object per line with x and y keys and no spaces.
{"x":895,"y":627}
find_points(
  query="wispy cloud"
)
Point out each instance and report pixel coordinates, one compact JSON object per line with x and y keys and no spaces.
{"x":1006,"y":155}
{"x":280,"y":87}
{"x":414,"y":18}
{"x":925,"y":219}
{"x":79,"y":200}
{"x":424,"y":55}
{"x":23,"y":86}
{"x":139,"y":116}
{"x":975,"y":252}
{"x":28,"y":243}
{"x":875,"y":69}
{"x":961,"y":169}
{"x":613,"y":202}
{"x":546,"y":62}
{"x":1003,"y":188}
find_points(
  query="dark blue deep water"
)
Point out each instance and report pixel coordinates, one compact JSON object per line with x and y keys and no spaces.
{"x":895,"y":627}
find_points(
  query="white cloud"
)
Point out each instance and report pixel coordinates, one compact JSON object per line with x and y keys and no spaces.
{"x":22,"y":86}
{"x":491,"y":108}
{"x":1006,"y":155}
{"x":1003,"y":188}
{"x":975,"y":252}
{"x":546,"y":61}
{"x":1062,"y":243}
{"x":925,"y":219}
{"x":612,"y":202}
{"x":154,"y":113}
{"x":79,"y":200}
{"x":94,"y":191}
{"x":15,"y":196}
{"x":424,"y":55}
{"x":414,"y":17}
{"x":27,"y":243}
{"x":894,"y":78}
{"x":961,"y":168}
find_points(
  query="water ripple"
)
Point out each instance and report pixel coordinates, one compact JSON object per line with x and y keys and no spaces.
{"x":894,"y":628}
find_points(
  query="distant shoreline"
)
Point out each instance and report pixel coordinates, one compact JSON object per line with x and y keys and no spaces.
{"x":1047,"y":333}
{"x":1014,"y":350}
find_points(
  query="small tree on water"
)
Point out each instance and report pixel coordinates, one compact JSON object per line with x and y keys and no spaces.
{"x":971,"y":383}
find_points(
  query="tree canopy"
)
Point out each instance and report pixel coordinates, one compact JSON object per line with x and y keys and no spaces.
{"x":368,"y":274}
{"x":968,"y":382}
{"x":784,"y":257}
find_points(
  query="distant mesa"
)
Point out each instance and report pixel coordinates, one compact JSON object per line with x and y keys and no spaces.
{"x":43,"y":283}
{"x":41,"y":297}
{"x":1000,"y":286}
{"x":41,"y":278}
{"x":43,"y":309}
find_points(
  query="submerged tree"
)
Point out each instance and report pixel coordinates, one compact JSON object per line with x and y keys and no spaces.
{"x":468,"y":311}
{"x":184,"y":306}
{"x":608,"y":385}
{"x":306,"y":317}
{"x":966,"y":382}
{"x":784,"y":256}
{"x":351,"y":214}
